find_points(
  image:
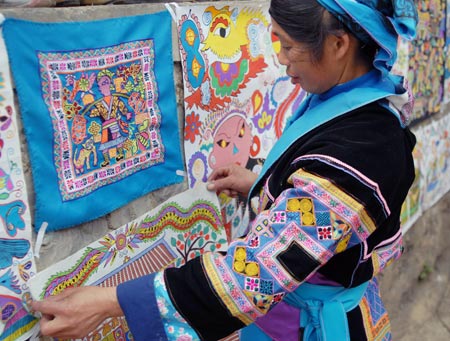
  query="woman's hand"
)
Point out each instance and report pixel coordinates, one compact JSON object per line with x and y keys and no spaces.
{"x":233,"y":180}
{"x":76,"y":311}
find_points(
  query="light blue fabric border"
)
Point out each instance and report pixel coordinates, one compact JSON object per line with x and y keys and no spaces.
{"x":23,"y":40}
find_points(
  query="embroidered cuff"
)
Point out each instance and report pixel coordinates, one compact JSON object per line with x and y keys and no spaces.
{"x":137,"y":300}
{"x":175,"y":325}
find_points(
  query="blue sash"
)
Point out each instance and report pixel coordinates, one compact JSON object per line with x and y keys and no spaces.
{"x":323,"y":312}
{"x":323,"y":309}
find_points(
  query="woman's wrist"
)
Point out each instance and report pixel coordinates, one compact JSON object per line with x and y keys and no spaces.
{"x":112,"y":306}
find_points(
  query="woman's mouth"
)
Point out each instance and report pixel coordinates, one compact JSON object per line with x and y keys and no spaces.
{"x":294,"y":79}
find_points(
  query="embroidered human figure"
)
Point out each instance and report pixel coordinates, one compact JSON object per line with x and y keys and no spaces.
{"x":110,"y":110}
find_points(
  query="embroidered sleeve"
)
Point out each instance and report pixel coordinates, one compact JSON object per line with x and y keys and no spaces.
{"x":302,"y":230}
{"x":175,"y":325}
{"x":95,"y":112}
{"x":376,"y":197}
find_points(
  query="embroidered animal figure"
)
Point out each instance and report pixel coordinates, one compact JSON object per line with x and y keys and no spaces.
{"x":84,"y":156}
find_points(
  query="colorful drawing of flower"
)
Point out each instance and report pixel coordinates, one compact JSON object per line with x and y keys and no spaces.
{"x":192,"y":127}
{"x":263,"y":121}
{"x":120,"y":243}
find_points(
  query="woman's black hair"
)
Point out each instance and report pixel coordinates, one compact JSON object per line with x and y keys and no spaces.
{"x":308,"y":22}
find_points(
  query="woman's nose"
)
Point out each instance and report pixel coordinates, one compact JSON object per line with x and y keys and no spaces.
{"x":282,"y":58}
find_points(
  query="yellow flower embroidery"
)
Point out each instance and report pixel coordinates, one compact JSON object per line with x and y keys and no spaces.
{"x":240,"y":254}
{"x":239,"y":266}
{"x":308,"y":219}
{"x":305,"y":205}
{"x":252,"y":269}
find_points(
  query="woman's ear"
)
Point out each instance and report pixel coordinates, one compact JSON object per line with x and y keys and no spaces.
{"x":341,"y":44}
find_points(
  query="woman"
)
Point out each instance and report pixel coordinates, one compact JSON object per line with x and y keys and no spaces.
{"x":330,"y":192}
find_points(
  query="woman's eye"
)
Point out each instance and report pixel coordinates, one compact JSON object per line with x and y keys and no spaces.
{"x":242,"y":131}
{"x":222,"y":143}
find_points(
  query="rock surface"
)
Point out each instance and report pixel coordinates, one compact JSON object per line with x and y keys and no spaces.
{"x":416,"y":288}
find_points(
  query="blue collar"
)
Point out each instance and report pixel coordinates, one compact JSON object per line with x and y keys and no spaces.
{"x":318,"y":109}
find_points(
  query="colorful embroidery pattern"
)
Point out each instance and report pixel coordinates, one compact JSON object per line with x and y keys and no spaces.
{"x":304,"y":228}
{"x":105,"y":120}
{"x":229,"y":289}
{"x":268,"y":255}
{"x":375,"y":318}
{"x":103,"y":105}
{"x":341,"y":203}
{"x":382,"y":257}
{"x":185,"y":226}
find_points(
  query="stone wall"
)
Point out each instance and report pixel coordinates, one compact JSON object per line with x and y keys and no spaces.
{"x":415,"y":288}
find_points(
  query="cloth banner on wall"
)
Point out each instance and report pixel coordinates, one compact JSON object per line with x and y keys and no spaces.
{"x":16,"y":256}
{"x":435,"y":161}
{"x":183,"y":227}
{"x":447,"y":55}
{"x":401,"y":65}
{"x":412,"y":208}
{"x":432,"y":163}
{"x":426,"y":74}
{"x":237,"y":96}
{"x":99,"y":112}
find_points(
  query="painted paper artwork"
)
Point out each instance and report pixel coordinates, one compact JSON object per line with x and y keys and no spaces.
{"x":99,"y":112}
{"x":183,"y":227}
{"x":412,"y":208}
{"x":237,"y":96}
{"x":432,"y":161}
{"x":401,"y":65}
{"x":435,"y":164}
{"x":16,"y":256}
{"x":446,"y":98}
{"x":427,"y":58}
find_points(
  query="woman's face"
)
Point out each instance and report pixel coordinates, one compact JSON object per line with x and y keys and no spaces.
{"x":314,"y":77}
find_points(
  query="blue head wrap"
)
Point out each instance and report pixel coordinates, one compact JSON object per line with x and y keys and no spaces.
{"x":381,"y":21}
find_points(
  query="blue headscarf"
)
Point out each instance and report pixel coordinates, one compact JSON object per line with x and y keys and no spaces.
{"x":381,"y":21}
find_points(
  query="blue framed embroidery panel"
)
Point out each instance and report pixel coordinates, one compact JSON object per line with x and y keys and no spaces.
{"x":98,"y":105}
